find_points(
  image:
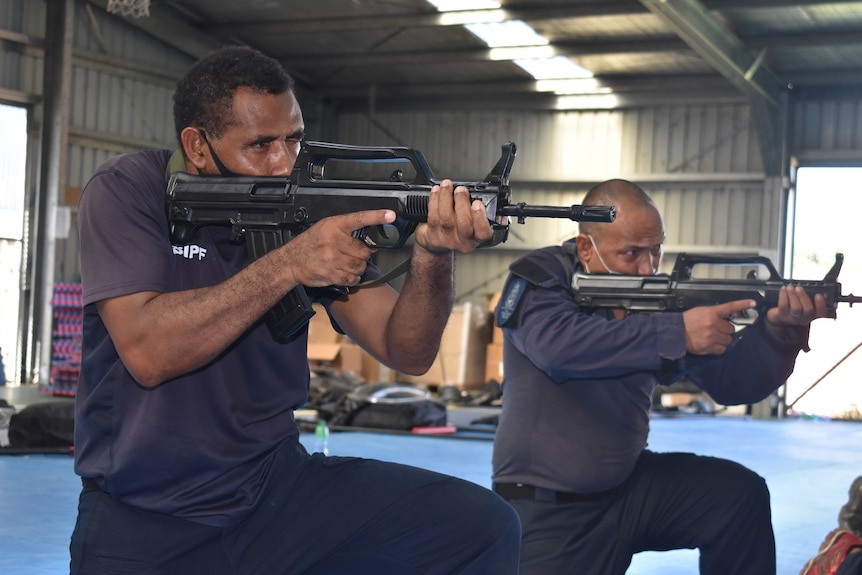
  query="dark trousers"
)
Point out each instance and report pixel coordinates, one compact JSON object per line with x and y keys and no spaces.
{"x":670,"y":501}
{"x":321,"y":516}
{"x":852,"y":565}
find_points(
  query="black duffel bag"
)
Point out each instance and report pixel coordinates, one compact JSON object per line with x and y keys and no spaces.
{"x":391,"y":406}
{"x":43,"y":424}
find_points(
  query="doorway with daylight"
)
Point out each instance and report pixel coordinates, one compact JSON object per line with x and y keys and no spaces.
{"x":823,"y":219}
{"x":13,"y":159}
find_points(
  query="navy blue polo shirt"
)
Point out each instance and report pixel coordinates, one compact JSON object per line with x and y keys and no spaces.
{"x":198,"y":446}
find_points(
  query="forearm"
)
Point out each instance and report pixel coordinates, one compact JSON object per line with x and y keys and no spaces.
{"x":749,"y":371}
{"x":567,"y":343}
{"x":160,"y":336}
{"x":415,"y":328}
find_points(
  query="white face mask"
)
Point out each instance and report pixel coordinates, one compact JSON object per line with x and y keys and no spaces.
{"x":599,"y":255}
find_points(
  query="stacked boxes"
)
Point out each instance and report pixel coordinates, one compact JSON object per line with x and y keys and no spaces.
{"x":461,"y":359}
{"x":466,"y":359}
{"x":328,"y":348}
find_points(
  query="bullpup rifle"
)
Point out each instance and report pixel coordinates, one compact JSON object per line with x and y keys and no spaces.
{"x":330,"y":179}
{"x":680,"y":291}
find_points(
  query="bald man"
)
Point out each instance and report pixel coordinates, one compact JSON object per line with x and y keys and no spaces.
{"x":570,"y":453}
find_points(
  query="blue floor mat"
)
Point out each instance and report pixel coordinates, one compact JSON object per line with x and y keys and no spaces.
{"x":808,"y":466}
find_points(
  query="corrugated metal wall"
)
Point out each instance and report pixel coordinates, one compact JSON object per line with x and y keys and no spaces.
{"x":828,"y":132}
{"x":121,"y":87}
{"x":701,"y":164}
{"x":20,"y":60}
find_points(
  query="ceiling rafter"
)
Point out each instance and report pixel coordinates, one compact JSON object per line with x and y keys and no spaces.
{"x":698,"y":45}
{"x":478,"y":54}
{"x":618,"y":83}
{"x":726,"y":53}
{"x":530,"y":12}
{"x":721,"y":49}
{"x":578,"y":48}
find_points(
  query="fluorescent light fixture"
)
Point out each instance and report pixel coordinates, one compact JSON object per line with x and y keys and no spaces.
{"x":552,"y":67}
{"x":464,"y":17}
{"x":461,"y":5}
{"x":518,"y":42}
{"x":522,"y":53}
{"x":588,"y":102}
{"x":464,"y":5}
{"x":572,"y":86}
{"x":508,"y":33}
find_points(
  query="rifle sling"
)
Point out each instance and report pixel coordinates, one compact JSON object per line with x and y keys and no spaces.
{"x":499,"y":236}
{"x":387,"y":277}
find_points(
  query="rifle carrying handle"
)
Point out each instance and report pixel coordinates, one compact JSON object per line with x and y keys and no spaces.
{"x":685,"y":262}
{"x":294,"y":310}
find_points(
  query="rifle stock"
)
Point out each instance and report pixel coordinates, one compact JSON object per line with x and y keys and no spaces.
{"x":331,"y":179}
{"x":679,"y":290}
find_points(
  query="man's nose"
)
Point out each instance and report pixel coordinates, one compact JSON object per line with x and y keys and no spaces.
{"x":283,"y":159}
{"x":647,"y":265}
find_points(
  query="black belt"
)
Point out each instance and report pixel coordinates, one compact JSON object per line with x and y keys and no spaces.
{"x":521,"y":491}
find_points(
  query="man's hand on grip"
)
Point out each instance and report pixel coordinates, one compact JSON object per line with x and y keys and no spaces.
{"x":708,"y":329}
{"x":328,"y":253}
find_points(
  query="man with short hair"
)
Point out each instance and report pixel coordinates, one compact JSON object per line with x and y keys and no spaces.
{"x":184,"y":435}
{"x":570,"y":453}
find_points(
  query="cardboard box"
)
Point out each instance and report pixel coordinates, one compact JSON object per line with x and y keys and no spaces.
{"x":494,"y":362}
{"x":320,"y":329}
{"x":496,"y":335}
{"x":461,"y":358}
{"x":345,"y":356}
{"x":496,"y":332}
{"x":332,"y":349}
{"x":495,"y":298}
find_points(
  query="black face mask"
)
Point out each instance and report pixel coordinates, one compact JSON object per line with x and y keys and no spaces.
{"x":221,"y":167}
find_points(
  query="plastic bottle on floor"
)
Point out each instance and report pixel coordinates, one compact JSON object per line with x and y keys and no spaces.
{"x":321,"y":437}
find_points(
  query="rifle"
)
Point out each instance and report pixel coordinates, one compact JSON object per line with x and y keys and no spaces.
{"x":330,"y":179}
{"x":680,"y":291}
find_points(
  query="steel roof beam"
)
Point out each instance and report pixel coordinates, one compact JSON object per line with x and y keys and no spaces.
{"x":730,"y":58}
{"x":530,"y":12}
{"x":718,"y":47}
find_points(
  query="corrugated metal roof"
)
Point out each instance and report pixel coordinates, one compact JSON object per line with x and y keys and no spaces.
{"x":403,"y":51}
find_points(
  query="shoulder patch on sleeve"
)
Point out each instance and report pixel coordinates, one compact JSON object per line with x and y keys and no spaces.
{"x":509,"y":301}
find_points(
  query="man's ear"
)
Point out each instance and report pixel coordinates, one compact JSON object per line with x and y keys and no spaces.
{"x":585,"y":248}
{"x":193,"y":146}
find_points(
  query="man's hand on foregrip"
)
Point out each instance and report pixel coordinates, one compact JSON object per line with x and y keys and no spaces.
{"x":454,"y":223}
{"x":708,"y":329}
{"x":795,"y":309}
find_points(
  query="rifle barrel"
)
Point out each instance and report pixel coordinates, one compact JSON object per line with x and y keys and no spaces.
{"x":850,"y":298}
{"x":575,"y":213}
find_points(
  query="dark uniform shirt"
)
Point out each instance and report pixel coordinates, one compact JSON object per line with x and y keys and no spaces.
{"x":578,"y":385}
{"x":198,"y":446}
